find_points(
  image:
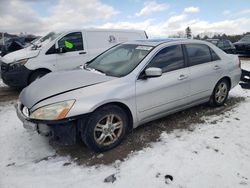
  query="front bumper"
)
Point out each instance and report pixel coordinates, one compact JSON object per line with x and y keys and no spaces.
{"x":29,"y":125}
{"x":62,"y":132}
{"x":15,"y":76}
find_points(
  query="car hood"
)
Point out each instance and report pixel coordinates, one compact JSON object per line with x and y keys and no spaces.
{"x":58,"y":83}
{"x":20,"y":54}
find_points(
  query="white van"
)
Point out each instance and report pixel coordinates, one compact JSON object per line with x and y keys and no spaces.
{"x":60,"y":51}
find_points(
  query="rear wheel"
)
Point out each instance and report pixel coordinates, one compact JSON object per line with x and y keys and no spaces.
{"x":37,"y":74}
{"x":220,"y":93}
{"x":105,"y":128}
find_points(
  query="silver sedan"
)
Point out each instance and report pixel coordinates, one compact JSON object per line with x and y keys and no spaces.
{"x":126,"y":86}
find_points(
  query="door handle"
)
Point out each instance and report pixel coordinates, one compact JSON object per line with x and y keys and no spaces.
{"x":182,"y":77}
{"x":216,"y":67}
{"x":80,"y":53}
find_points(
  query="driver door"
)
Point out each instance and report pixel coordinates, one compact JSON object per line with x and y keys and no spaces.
{"x":72,"y":51}
{"x":156,"y":96}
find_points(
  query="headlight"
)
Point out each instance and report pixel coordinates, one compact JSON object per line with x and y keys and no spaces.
{"x":21,"y":62}
{"x":54,"y":111}
{"x":18,"y":63}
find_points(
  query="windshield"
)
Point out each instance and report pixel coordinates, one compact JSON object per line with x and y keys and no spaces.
{"x":46,"y":39}
{"x":32,"y":42}
{"x":120,"y":60}
{"x":50,"y":36}
{"x":246,"y":38}
{"x":215,"y":42}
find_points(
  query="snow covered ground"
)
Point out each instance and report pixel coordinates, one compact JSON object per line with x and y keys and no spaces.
{"x":2,"y":84}
{"x":215,"y":154}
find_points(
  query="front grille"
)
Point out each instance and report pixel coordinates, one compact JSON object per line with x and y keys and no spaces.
{"x":4,"y":67}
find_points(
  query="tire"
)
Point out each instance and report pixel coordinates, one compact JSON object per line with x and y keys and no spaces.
{"x":37,"y":74}
{"x":105,"y":128}
{"x":220,"y":93}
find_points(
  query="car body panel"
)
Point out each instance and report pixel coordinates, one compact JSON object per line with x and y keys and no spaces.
{"x":80,"y":79}
{"x":204,"y":73}
{"x":161,"y":93}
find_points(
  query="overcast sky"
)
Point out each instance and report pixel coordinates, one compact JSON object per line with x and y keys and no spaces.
{"x":159,"y":18}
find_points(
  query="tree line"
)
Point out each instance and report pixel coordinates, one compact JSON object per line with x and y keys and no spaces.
{"x":207,"y":35}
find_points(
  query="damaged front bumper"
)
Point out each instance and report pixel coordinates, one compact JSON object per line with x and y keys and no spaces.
{"x":60,"y":131}
{"x":245,"y":79}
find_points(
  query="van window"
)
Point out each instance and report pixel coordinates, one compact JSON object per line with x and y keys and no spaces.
{"x":198,"y":54}
{"x":71,"y":42}
{"x":168,"y":59}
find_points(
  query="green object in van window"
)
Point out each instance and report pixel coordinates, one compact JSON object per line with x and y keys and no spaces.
{"x":68,"y":44}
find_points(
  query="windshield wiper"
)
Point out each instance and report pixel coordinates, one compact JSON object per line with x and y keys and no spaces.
{"x":92,"y":69}
{"x":100,"y":71}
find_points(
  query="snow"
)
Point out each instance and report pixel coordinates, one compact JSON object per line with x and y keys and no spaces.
{"x":1,"y":83}
{"x":212,"y":155}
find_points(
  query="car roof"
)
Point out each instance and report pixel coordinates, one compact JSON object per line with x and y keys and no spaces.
{"x":212,"y":39}
{"x":156,"y":42}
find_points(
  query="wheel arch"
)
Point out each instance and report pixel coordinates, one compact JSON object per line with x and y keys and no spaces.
{"x":37,"y":70}
{"x":228,"y":79}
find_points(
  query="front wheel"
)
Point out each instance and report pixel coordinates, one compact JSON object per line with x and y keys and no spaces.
{"x":220,"y":93}
{"x":105,"y":128}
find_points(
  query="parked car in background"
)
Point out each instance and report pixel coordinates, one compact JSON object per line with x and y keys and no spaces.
{"x":60,"y":51}
{"x":2,"y":42}
{"x":126,"y":86}
{"x":15,"y":43}
{"x":243,"y":45}
{"x":226,"y":45}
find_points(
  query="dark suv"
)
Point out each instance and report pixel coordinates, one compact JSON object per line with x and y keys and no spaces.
{"x":243,"y":45}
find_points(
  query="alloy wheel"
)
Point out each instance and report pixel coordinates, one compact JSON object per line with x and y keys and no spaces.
{"x":221,"y":92}
{"x":108,"y":129}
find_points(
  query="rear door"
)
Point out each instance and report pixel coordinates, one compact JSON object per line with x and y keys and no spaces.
{"x":205,"y":70}
{"x":155,"y":96}
{"x":74,"y":54}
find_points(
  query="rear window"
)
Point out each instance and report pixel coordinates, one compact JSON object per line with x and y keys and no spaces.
{"x":198,"y":54}
{"x":215,"y":57}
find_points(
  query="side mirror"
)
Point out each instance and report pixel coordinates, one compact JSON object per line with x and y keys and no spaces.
{"x":153,"y":72}
{"x":62,"y":50}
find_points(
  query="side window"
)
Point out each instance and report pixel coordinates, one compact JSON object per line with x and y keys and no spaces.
{"x":198,"y":54}
{"x":71,"y":42}
{"x":215,"y":57}
{"x":168,"y":59}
